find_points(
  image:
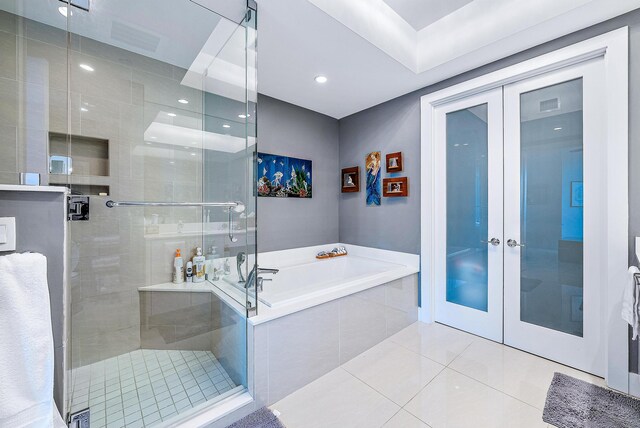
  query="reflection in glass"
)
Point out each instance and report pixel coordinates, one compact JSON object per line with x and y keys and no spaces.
{"x":551,"y":201}
{"x":467,"y":182}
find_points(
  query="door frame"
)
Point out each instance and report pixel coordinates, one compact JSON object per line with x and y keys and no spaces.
{"x":613,"y":48}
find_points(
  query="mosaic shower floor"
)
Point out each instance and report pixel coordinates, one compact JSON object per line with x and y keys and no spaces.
{"x":146,"y":387}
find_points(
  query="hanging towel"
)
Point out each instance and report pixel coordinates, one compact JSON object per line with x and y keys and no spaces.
{"x":631,"y":301}
{"x":26,"y":343}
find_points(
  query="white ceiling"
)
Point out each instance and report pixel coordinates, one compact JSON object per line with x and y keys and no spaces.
{"x":421,"y":13}
{"x":371,"y":54}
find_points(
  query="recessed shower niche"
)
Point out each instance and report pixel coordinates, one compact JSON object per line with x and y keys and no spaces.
{"x":84,"y":158}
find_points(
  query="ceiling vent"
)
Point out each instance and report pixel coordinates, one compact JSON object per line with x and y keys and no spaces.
{"x":135,"y":37}
{"x":550,"y":105}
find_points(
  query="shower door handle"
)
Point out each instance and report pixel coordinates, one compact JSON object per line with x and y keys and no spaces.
{"x":493,"y":241}
{"x":513,"y":243}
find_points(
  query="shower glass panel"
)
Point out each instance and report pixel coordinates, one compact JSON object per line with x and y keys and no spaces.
{"x":467,"y":207}
{"x":155,"y":93}
{"x":551,"y":281}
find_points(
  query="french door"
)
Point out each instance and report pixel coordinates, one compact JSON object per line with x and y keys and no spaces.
{"x":521,"y":216}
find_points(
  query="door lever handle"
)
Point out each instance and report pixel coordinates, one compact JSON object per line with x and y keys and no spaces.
{"x":493,"y":241}
{"x":513,"y":243}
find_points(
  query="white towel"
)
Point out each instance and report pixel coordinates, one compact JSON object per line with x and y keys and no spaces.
{"x":26,"y":343}
{"x":631,"y":302}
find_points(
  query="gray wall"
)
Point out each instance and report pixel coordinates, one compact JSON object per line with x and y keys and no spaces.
{"x":285,"y":129}
{"x":40,"y":228}
{"x":395,"y":126}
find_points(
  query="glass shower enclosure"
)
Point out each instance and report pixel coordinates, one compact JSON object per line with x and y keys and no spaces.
{"x":146,"y":111}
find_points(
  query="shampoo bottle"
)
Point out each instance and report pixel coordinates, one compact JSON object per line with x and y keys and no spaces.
{"x":178,"y":268}
{"x":198,"y":266}
{"x":209,"y":264}
{"x":189,"y":271}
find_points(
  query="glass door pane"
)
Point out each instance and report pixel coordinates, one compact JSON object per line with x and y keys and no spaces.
{"x":551,"y":198}
{"x":467,"y":207}
{"x":154,"y":105}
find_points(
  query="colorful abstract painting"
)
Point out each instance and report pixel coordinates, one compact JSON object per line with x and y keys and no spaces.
{"x":283,"y":176}
{"x":372,"y":163}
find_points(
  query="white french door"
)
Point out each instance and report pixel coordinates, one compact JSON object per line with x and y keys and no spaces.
{"x":555,"y":215}
{"x":520,"y":215}
{"x":469,"y":227}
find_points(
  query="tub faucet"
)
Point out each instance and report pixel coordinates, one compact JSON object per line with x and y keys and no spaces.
{"x":240,"y":258}
{"x":254,"y":277}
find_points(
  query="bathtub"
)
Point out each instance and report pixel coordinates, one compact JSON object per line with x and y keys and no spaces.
{"x":324,"y":277}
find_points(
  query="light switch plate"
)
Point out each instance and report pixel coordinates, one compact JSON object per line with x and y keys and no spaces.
{"x":9,"y":224}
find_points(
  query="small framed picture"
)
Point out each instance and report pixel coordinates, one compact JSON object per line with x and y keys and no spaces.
{"x":351,"y":179}
{"x":395,"y":187}
{"x":577,"y":194}
{"x":394,"y":162}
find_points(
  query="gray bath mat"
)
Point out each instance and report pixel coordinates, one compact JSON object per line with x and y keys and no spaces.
{"x":573,"y":403}
{"x":262,"y":418}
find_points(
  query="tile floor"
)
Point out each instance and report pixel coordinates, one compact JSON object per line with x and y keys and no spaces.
{"x":145,"y":387}
{"x":428,"y":375}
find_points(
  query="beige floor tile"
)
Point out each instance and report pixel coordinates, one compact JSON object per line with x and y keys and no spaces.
{"x":337,"y":399}
{"x":435,"y":341}
{"x":394,"y":371}
{"x":516,"y":373}
{"x":404,"y":419}
{"x":454,"y":400}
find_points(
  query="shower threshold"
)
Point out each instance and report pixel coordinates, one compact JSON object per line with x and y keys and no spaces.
{"x":147,"y":387}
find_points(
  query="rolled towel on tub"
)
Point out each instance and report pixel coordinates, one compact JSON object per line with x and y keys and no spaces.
{"x":26,"y":343}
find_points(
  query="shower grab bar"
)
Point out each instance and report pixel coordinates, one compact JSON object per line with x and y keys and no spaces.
{"x":231,"y":207}
{"x":236,"y":206}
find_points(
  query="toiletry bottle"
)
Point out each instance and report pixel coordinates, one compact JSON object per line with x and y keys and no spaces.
{"x":208,"y":263}
{"x":189,"y":271}
{"x":227,"y":267}
{"x":198,"y":266}
{"x":178,"y":268}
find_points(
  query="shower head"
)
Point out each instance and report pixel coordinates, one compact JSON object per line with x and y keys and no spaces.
{"x":239,"y":208}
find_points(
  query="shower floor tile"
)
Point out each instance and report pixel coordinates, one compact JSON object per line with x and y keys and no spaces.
{"x":145,"y":387}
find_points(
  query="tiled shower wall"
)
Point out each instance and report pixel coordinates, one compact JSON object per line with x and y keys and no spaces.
{"x":44,"y":90}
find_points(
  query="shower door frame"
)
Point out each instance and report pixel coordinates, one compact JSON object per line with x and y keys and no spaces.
{"x":612,"y":49}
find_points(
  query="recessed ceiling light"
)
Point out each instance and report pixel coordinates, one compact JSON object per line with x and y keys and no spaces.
{"x":154,"y":138}
{"x":559,"y":128}
{"x":63,"y":11}
{"x":86,"y":67}
{"x":226,"y":125}
{"x":171,"y":114}
{"x":187,"y":147}
{"x":183,"y":101}
{"x":456,"y":145}
{"x":84,"y":109}
{"x":321,"y":79}
{"x":171,"y":162}
{"x":193,"y":154}
{"x":242,"y":116}
{"x":148,"y":143}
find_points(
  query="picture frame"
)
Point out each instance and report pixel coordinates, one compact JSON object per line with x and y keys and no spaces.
{"x":394,"y":162}
{"x":395,"y":187}
{"x":577,"y":194}
{"x":283,"y":176}
{"x":350,"y":179}
{"x":373,"y":165}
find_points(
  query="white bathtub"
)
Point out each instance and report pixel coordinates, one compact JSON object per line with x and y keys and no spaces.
{"x":304,"y":281}
{"x":318,"y":277}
